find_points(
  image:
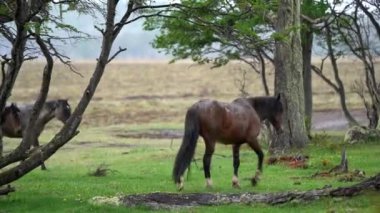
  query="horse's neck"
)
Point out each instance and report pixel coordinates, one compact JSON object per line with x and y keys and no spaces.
{"x":46,"y":114}
{"x":259,"y":108}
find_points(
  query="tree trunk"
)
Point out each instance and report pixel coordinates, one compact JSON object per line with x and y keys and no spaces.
{"x":288,"y":77}
{"x":307,"y":45}
{"x":263,"y":74}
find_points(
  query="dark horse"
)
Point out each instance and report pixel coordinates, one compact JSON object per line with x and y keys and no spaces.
{"x":59,"y":109}
{"x":229,"y":123}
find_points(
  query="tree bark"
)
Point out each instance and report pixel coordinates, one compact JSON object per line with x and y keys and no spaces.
{"x":289,"y":78}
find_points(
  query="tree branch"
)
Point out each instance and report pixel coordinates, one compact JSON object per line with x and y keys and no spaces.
{"x":29,"y":134}
{"x":116,"y":54}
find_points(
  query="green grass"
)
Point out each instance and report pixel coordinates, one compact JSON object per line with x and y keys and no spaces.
{"x":144,"y":166}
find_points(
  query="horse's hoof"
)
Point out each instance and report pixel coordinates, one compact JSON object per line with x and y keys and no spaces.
{"x":43,"y":168}
{"x":254,"y":181}
{"x":236,"y":185}
{"x":180,"y":187}
{"x":208,"y":183}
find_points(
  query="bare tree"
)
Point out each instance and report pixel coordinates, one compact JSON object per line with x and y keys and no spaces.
{"x":358,"y":34}
{"x":352,"y":32}
{"x":338,"y":85}
{"x":29,"y":160}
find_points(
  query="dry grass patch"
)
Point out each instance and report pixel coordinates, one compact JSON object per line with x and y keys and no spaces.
{"x":151,"y":92}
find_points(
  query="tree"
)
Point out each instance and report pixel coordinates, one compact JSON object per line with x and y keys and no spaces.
{"x":30,"y":159}
{"x":312,"y":13}
{"x":358,"y":31}
{"x":333,"y":53}
{"x":351,"y":32}
{"x":288,"y":76}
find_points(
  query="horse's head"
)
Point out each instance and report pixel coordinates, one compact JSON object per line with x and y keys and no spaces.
{"x":62,"y":110}
{"x":269,"y":108}
{"x":275,"y":117}
{"x":11,"y":117}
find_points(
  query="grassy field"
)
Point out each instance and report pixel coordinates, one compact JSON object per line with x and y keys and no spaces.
{"x":143,"y":97}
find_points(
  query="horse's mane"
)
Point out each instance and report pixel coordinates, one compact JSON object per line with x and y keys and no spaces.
{"x":266,"y":105}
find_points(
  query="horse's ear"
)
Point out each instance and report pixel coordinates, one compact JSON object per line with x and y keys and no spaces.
{"x":278,"y":97}
{"x":15,"y":107}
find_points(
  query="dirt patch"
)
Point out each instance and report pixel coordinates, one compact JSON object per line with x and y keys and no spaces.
{"x":155,"y":97}
{"x":299,"y":161}
{"x":333,"y":119}
{"x":322,"y":120}
{"x":101,"y":144}
{"x":152,"y":134}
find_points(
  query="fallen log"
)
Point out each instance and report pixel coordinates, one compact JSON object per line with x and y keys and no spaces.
{"x":173,"y":200}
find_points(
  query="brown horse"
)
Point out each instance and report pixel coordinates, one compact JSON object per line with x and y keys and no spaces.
{"x":229,"y":123}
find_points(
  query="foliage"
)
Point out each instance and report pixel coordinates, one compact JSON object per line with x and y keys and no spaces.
{"x":213,"y":31}
{"x":314,"y":8}
{"x":218,"y":31}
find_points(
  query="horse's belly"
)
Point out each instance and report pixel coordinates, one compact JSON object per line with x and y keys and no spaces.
{"x":229,"y":141}
{"x":10,"y":133}
{"x":233,"y":136}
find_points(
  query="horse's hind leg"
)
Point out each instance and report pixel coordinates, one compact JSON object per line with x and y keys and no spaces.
{"x":236,"y":164}
{"x":260,"y":155}
{"x":210,"y":148}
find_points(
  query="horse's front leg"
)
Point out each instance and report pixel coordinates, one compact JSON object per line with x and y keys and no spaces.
{"x":36,"y":145}
{"x":236,"y":164}
{"x":210,"y":148}
{"x":253,"y":143}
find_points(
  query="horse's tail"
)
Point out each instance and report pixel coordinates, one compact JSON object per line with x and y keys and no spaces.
{"x":189,"y":142}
